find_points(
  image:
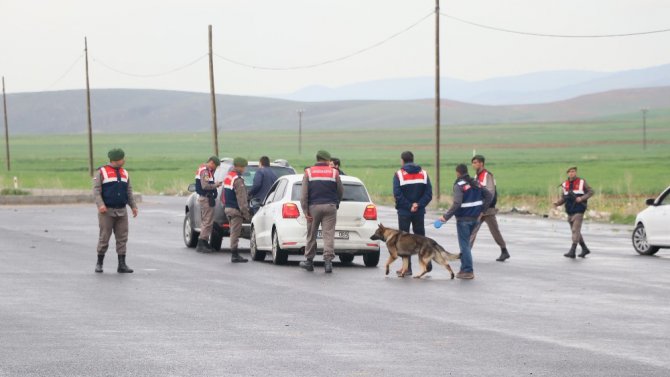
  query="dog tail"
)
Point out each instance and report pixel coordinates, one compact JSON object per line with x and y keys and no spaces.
{"x":445,"y":254}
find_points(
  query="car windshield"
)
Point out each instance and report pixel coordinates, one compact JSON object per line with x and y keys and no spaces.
{"x":353,"y":192}
{"x":250,"y":173}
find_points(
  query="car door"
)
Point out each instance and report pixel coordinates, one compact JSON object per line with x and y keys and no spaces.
{"x":273,"y":208}
{"x":262,"y":220}
{"x":658,"y":223}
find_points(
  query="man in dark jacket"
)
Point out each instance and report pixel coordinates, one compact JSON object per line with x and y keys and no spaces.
{"x":412,"y":192}
{"x":470,"y":202}
{"x":263,"y":180}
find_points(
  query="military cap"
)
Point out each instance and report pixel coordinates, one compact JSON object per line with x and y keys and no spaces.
{"x":323,"y":155}
{"x":240,"y":162}
{"x":216,"y":160}
{"x":479,"y":158}
{"x":571,"y":168}
{"x":116,"y":154}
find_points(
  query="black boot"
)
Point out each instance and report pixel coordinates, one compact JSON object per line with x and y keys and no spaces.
{"x":98,"y":267}
{"x":571,"y":253}
{"x":307,"y":264}
{"x":328,"y":266}
{"x":429,"y":266}
{"x":409,"y":269}
{"x":123,"y":268}
{"x":503,"y":255}
{"x":585,"y":250}
{"x":203,"y":247}
{"x":235,"y":257}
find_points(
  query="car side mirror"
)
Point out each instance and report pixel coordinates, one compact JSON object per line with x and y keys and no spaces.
{"x":650,"y":202}
{"x":191,"y":187}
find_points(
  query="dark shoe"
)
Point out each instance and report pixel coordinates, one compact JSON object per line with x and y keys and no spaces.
{"x":328,"y":266}
{"x":237,"y":258}
{"x":585,"y":250}
{"x":307,"y":265}
{"x":98,"y":266}
{"x":203,"y":247}
{"x":123,"y":268}
{"x":465,"y":275}
{"x":571,"y":253}
{"x":503,"y":255}
{"x":429,"y":267}
{"x":407,"y":273}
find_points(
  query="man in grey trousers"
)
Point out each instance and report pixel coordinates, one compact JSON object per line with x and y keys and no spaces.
{"x":320,"y":198}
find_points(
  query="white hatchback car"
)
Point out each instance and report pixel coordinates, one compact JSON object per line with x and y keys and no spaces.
{"x":280,"y":227}
{"x":652,"y":226}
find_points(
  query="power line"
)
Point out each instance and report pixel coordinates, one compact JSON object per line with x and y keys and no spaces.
{"x":67,"y":71}
{"x":149,"y":74}
{"x":329,"y":61}
{"x":552,"y":35}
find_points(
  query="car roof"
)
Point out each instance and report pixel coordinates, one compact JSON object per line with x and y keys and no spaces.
{"x":344,"y":178}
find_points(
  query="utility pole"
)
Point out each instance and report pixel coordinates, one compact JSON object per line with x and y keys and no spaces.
{"x":4,"y":104}
{"x":300,"y":112}
{"x":215,"y":136}
{"x":88,"y":110}
{"x":644,"y":128}
{"x":437,"y":100}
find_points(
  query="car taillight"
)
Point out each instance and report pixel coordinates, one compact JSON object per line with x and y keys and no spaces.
{"x":370,"y":212}
{"x":290,"y":211}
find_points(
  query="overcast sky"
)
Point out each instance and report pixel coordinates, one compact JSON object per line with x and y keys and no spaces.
{"x":39,"y":40}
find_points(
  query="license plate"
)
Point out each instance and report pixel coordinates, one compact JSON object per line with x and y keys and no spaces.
{"x":339,"y":234}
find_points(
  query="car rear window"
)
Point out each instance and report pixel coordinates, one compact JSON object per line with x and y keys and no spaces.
{"x":250,"y":173}
{"x":353,"y":192}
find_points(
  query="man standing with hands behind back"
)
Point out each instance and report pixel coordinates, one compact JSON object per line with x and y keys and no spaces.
{"x":112,"y":192}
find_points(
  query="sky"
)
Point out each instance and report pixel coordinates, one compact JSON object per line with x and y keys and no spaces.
{"x":40,"y":40}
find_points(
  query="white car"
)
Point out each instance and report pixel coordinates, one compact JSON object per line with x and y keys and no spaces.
{"x":280,"y":227}
{"x":652,"y":226}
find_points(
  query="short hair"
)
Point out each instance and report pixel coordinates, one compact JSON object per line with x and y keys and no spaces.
{"x":264,"y":161}
{"x":407,"y":156}
{"x":478,"y":157}
{"x":215,"y":160}
{"x":462,"y":169}
{"x":335,"y":161}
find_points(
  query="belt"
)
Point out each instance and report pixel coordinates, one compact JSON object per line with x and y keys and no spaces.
{"x":117,"y":207}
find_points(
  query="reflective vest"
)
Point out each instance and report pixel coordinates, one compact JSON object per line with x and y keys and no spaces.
{"x":406,"y":178}
{"x":571,"y":191}
{"x":229,"y":197}
{"x":322,"y":181}
{"x":482,"y":178}
{"x":473,"y":199}
{"x":198,"y":185}
{"x":114,"y":186}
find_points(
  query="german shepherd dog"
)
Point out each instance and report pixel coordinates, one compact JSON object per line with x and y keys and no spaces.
{"x":404,"y":245}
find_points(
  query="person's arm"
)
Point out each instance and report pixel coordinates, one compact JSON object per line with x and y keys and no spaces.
{"x":241,"y":195}
{"x":97,"y":192}
{"x":304,"y":196}
{"x":488,"y":199}
{"x":455,"y":205}
{"x":131,"y":199}
{"x":204,"y":181}
{"x":588,"y":192}
{"x":427,"y":195}
{"x":258,"y":183}
{"x":490,"y":184}
{"x":400,"y":200}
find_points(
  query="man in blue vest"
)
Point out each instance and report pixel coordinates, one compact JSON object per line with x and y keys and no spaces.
{"x":205,"y":187}
{"x":320,"y":198}
{"x":112,"y":193}
{"x":237,"y":205}
{"x":576,"y":193}
{"x":470,"y":202}
{"x":412,"y":192}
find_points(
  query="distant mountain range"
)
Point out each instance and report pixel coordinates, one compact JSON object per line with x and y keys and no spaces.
{"x":150,"y":111}
{"x":530,"y":88}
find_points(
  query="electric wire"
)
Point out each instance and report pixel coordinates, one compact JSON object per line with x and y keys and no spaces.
{"x":149,"y":75}
{"x":67,"y":71}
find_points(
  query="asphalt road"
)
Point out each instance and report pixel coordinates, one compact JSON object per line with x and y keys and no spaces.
{"x":187,"y":314}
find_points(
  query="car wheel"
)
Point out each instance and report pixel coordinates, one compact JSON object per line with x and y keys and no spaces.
{"x":640,"y":242}
{"x":216,"y":238}
{"x":190,"y":235}
{"x":279,"y":256}
{"x":371,"y":259}
{"x":257,"y":255}
{"x":346,"y":258}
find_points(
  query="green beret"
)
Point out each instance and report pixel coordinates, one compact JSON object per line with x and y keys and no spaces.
{"x":240,"y":162}
{"x":571,"y":168}
{"x":116,"y":154}
{"x":479,"y":158}
{"x":216,"y":160}
{"x":323,"y":155}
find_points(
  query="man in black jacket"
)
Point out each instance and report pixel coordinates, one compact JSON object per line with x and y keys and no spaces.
{"x":263,"y":180}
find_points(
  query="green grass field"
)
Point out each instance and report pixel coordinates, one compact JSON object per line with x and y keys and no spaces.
{"x":528,"y":160}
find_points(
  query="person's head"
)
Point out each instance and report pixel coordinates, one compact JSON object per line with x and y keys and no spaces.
{"x":478,"y":162}
{"x":116,"y":157}
{"x":335,"y":162}
{"x":572,"y":172}
{"x":406,"y":157}
{"x":322,"y":156}
{"x":264,"y":161}
{"x":240,"y":164}
{"x":461,"y":170}
{"x":213,"y":163}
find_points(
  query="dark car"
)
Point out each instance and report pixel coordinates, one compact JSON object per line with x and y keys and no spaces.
{"x":221,"y":228}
